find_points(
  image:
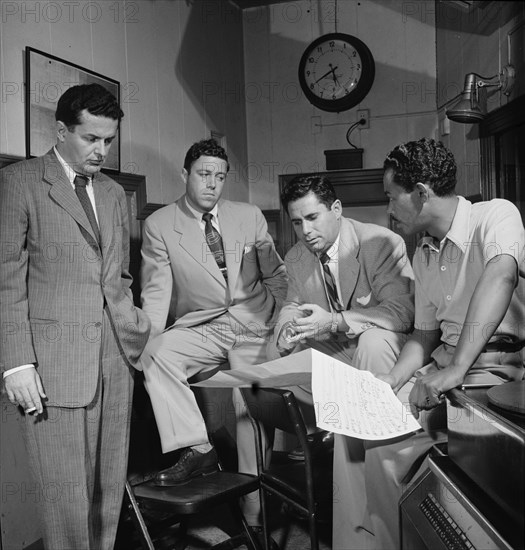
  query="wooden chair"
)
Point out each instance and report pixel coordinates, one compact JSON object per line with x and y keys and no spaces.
{"x":306,"y":485}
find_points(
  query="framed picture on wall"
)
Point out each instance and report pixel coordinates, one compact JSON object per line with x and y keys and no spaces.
{"x":47,"y":78}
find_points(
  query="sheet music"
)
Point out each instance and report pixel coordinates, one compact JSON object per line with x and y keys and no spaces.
{"x":346,"y":400}
{"x":356,"y":403}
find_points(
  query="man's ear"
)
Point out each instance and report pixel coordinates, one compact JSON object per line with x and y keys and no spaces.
{"x":61,"y":131}
{"x":423,"y":191}
{"x":337,"y":208}
{"x":184,"y":175}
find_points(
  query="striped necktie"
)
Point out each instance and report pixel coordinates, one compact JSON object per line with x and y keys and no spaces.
{"x":331,"y":287}
{"x":80,"y":183}
{"x":214,"y":240}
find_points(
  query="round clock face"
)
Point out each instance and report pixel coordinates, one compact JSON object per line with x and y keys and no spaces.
{"x":336,"y":72}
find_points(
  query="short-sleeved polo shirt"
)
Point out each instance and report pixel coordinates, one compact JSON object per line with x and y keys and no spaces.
{"x":447,"y":272}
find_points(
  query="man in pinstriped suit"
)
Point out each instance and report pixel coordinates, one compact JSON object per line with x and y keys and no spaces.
{"x":70,"y":332}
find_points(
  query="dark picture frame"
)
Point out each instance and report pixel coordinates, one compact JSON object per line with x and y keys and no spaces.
{"x":47,"y":78}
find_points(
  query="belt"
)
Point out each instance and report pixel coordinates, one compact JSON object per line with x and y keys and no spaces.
{"x":506,"y":347}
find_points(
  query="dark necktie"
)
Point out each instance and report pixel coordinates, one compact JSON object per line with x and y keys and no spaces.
{"x":80,"y":189}
{"x":331,"y":287}
{"x":214,"y":240}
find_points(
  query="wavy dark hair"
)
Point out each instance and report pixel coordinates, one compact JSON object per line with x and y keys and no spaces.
{"x":205,"y":148}
{"x":93,"y":97}
{"x":426,"y":161}
{"x":299,"y":187}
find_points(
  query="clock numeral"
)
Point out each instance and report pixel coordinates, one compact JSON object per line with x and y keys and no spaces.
{"x":311,"y":60}
{"x":307,"y":73}
{"x":320,"y":49}
{"x":354,"y":54}
{"x":359,"y":66}
{"x":332,"y":44}
{"x":312,"y":86}
{"x":334,"y":96}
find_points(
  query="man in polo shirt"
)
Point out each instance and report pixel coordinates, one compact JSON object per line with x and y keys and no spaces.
{"x":469,"y":322}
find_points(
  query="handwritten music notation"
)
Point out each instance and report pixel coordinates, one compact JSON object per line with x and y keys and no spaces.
{"x":356,"y":403}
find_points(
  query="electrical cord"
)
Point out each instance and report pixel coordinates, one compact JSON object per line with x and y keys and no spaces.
{"x":360,"y":122}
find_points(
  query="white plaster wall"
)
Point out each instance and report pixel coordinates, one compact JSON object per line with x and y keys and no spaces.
{"x":282,"y":136}
{"x":171,"y":58}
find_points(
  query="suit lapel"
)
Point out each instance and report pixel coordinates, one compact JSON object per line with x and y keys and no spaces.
{"x":348,"y":262}
{"x":314,"y":280}
{"x":233,"y":238}
{"x":105,"y":205}
{"x":62,"y":193}
{"x":193,"y":241}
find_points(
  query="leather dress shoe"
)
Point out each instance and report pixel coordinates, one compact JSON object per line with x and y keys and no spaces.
{"x":191,"y":464}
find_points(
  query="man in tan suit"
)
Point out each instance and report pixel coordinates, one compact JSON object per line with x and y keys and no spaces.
{"x":350,"y":284}
{"x":211,"y":265}
{"x":350,"y":295}
{"x":70,"y":333}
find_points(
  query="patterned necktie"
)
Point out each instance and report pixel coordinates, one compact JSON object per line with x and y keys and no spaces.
{"x":331,"y":287}
{"x":80,"y":189}
{"x":214,"y":240}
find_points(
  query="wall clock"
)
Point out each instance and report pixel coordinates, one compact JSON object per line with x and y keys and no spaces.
{"x":336,"y":72}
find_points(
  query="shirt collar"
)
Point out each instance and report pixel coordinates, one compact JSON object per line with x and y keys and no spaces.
{"x":198,"y":215}
{"x":457,"y":234}
{"x":70,"y":173}
{"x":459,"y":230}
{"x":333,"y":251}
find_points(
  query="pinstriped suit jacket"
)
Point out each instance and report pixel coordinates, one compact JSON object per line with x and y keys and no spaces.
{"x":375,"y":277}
{"x":54,"y":278}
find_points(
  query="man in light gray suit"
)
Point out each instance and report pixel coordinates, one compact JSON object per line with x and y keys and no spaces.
{"x":70,"y":332}
{"x":211,"y":265}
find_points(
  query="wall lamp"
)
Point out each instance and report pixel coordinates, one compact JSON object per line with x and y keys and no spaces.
{"x":466,"y":107}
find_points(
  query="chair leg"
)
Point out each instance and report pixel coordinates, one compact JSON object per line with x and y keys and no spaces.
{"x":252,"y":540}
{"x":137,"y":518}
{"x":312,"y":523}
{"x":265,"y":523}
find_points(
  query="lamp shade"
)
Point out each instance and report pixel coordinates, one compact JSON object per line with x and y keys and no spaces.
{"x":465,"y":109}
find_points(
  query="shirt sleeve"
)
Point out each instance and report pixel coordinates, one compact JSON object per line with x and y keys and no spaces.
{"x":502,"y":231}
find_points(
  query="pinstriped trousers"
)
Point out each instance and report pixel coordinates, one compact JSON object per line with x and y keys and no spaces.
{"x":79,"y":456}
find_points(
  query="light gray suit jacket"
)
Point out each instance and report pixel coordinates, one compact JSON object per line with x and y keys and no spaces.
{"x":54,"y":279}
{"x":375,"y":277}
{"x":181,"y":278}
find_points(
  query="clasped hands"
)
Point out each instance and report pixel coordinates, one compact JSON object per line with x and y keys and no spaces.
{"x":314,"y":322}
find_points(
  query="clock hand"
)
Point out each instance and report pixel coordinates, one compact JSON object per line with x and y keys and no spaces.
{"x":326,"y":74}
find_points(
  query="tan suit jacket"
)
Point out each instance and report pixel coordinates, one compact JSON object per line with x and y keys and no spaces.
{"x":375,"y":278}
{"x":181,"y":279}
{"x":55,"y":280}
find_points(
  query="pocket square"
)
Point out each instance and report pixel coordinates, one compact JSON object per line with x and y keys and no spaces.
{"x":247,"y":248}
{"x":364,"y":300}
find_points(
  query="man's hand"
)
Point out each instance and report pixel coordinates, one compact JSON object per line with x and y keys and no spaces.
{"x":25,"y":388}
{"x":317,"y":321}
{"x":288,"y":337}
{"x":429,"y":389}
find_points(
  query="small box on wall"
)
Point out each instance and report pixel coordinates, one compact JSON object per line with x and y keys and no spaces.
{"x":344,"y":159}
